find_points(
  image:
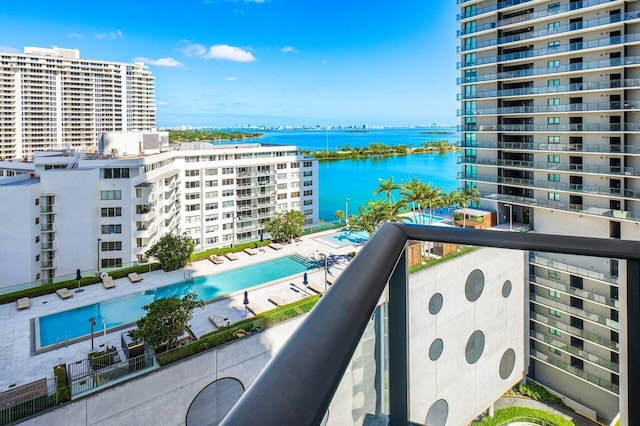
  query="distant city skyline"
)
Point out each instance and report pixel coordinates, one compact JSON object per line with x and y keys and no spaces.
{"x":226,"y":63}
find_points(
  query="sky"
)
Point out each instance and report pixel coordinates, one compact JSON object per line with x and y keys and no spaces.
{"x":224,"y":63}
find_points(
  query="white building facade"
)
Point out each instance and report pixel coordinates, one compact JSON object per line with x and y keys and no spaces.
{"x":53,"y":99}
{"x":69,"y":211}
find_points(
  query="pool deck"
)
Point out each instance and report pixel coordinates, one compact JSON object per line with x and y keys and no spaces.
{"x":18,"y":364}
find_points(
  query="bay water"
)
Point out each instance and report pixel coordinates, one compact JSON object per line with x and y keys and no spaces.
{"x":357,"y":179}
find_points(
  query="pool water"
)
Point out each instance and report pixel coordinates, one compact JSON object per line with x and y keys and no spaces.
{"x":345,"y":238}
{"x":74,"y":323}
{"x":423,"y":219}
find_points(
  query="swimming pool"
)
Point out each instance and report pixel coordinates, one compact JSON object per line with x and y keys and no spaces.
{"x":73,"y":324}
{"x":345,"y":238}
{"x":423,"y":219}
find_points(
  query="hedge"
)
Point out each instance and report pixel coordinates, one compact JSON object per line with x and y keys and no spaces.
{"x":51,"y":288}
{"x":239,"y":329}
{"x":511,"y":414}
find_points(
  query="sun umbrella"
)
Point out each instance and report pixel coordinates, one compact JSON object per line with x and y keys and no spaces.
{"x":245,"y":302}
{"x":78,"y":276}
{"x":304,"y":279}
{"x":261,"y":236}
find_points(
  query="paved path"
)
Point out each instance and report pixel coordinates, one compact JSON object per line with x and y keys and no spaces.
{"x":18,"y":364}
{"x":577,"y":419}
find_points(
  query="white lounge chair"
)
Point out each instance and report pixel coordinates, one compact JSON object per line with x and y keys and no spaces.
{"x":277,"y":300}
{"x":330,"y":279}
{"x":108,"y":282}
{"x":255,"y":310}
{"x":23,"y":303}
{"x":218,"y":321}
{"x":134,"y":277}
{"x":316,"y":288}
{"x":231,"y":256}
{"x":275,"y":246}
{"x":215,"y":259}
{"x":64,"y":293}
{"x":250,"y":251}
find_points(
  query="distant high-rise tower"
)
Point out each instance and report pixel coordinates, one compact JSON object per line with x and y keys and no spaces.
{"x":52,"y":99}
{"x":550,"y":118}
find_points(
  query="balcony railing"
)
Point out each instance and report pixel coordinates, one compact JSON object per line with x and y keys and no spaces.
{"x":576,"y":292}
{"x":546,"y":109}
{"x":554,"y":147}
{"x":488,"y":9}
{"x":543,"y":165}
{"x":579,"y":313}
{"x":289,"y":391}
{"x":559,"y":325}
{"x":542,"y":260}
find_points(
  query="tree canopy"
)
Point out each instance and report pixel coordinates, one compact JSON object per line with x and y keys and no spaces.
{"x":285,"y":225}
{"x":166,"y":320}
{"x":172,"y":251}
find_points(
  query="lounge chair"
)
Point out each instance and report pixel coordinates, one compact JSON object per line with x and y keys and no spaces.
{"x":250,"y":251}
{"x":277,"y":300}
{"x":23,"y":303}
{"x":231,"y":256}
{"x":108,"y":282}
{"x":64,"y":293}
{"x":134,"y":277}
{"x":215,"y":259}
{"x":255,"y":310}
{"x":316,"y":288}
{"x":218,"y":321}
{"x":330,"y":279}
{"x":275,"y":246}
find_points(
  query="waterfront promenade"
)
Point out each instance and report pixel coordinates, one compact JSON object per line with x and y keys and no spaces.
{"x":19,"y":364}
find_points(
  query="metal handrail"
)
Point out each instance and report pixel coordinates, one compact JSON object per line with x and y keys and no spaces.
{"x":293,"y":389}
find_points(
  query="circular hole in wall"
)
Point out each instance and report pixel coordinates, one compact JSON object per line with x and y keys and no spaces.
{"x":435,"y":350}
{"x":475,"y":347}
{"x":507,"y":362}
{"x":435,"y":303}
{"x":474,"y":285}
{"x":506,"y":289}
{"x":214,"y":402}
{"x":438,"y":413}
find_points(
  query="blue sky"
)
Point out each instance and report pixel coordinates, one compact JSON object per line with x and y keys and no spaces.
{"x":265,"y":62}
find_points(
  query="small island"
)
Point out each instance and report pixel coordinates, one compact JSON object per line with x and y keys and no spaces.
{"x":176,"y":136}
{"x":435,"y":132}
{"x":378,"y":149}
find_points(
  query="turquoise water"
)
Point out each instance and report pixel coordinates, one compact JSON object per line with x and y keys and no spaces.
{"x":128,"y":309}
{"x":423,"y":219}
{"x":357,"y":179}
{"x":345,"y":238}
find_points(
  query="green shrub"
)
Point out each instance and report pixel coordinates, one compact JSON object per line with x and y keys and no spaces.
{"x":477,"y":219}
{"x":435,"y":261}
{"x":60,"y":373}
{"x":507,"y":415}
{"x":239,"y":329}
{"x":457,"y":216}
{"x":539,"y":393}
{"x":224,"y":250}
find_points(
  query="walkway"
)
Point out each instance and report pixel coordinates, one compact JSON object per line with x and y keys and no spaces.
{"x":577,"y":419}
{"x":18,"y":364}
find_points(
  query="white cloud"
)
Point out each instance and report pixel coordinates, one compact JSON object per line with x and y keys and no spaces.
{"x":229,"y":53}
{"x":162,"y":103}
{"x":110,"y":35}
{"x":162,"y":62}
{"x":190,"y":49}
{"x":75,"y":35}
{"x":217,"y":51}
{"x":8,"y":49}
{"x":231,"y":79}
{"x":288,"y":49}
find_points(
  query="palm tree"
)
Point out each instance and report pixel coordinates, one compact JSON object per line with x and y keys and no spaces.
{"x":431,"y":197}
{"x":411,"y":194}
{"x":449,"y":200}
{"x":386,"y":186}
{"x":371,"y":215}
{"x":339,"y":215}
{"x":468,"y":196}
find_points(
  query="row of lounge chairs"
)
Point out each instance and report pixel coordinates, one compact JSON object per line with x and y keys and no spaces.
{"x":217,"y":260}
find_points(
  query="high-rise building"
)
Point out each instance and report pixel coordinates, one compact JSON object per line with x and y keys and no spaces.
{"x":549,"y":123}
{"x":53,"y":99}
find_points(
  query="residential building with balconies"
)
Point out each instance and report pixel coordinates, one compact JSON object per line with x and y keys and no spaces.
{"x":549,"y":111}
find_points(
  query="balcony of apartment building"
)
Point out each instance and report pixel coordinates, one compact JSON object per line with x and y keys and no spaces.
{"x":519,"y":107}
{"x":553,"y":127}
{"x":526,"y":144}
{"x":289,"y":391}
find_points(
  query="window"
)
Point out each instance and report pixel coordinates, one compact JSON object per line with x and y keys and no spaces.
{"x":553,"y":101}
{"x":553,"y":64}
{"x":281,"y":166}
{"x":555,"y":294}
{"x":37,"y":221}
{"x":553,"y":158}
{"x":307,"y":193}
{"x":554,"y":312}
{"x":553,"y":7}
{"x":307,"y":164}
{"x":308,"y":202}
{"x":553,"y":196}
{"x":307,"y":173}
{"x":553,"y":44}
{"x":211,"y":172}
{"x":37,"y":239}
{"x":554,"y":275}
{"x":37,"y":201}
{"x":111,"y":245}
{"x":111,"y":195}
{"x":295,"y":194}
{"x":227,"y":192}
{"x":228,"y":203}
{"x":192,"y":207}
{"x":551,"y":26}
{"x":307,"y":183}
{"x":227,"y":170}
{"x":553,"y":177}
{"x":553,"y":82}
{"x":37,"y":258}
{"x":281,"y":176}
{"x":227,"y":181}
{"x":112,"y":263}
{"x":295,"y":165}
{"x":111,"y":229}
{"x":210,"y":217}
{"x":553,"y":120}
{"x":212,"y":194}
{"x":192,"y":173}
{"x":194,"y":184}
{"x":282,"y":186}
{"x":553,"y":139}
{"x":211,"y":206}
{"x":554,"y":350}
{"x":117,"y":173}
{"x":282,"y":196}
{"x":193,"y":196}
{"x":555,"y":332}
{"x":111,"y":211}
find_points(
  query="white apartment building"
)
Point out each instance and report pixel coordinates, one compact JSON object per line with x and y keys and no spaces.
{"x":69,"y":209}
{"x":53,"y":99}
{"x":550,"y":112}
